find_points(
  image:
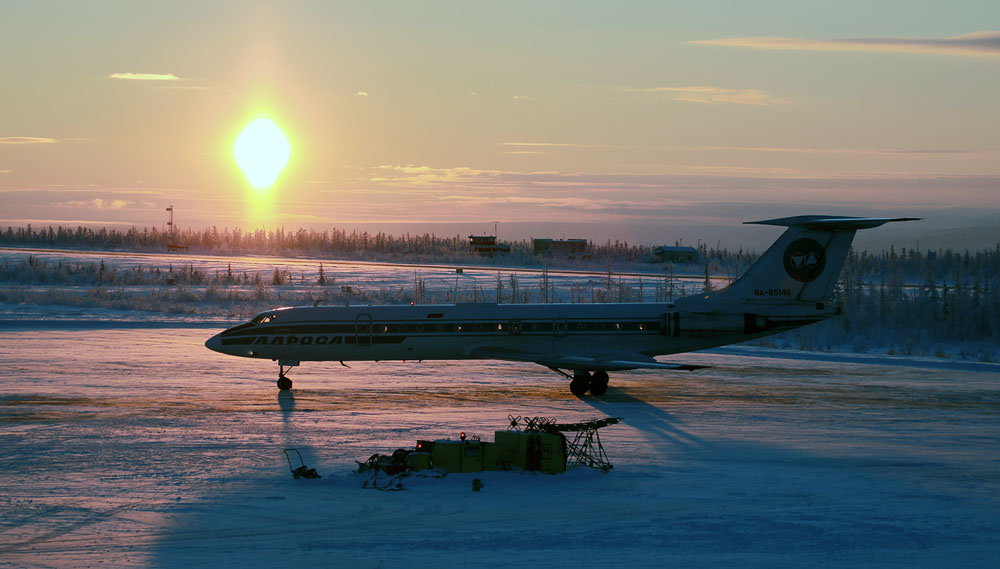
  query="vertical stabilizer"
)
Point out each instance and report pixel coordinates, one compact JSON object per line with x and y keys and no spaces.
{"x":805,"y":262}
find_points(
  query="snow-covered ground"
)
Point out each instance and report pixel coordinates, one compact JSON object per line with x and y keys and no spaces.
{"x":125,"y":443}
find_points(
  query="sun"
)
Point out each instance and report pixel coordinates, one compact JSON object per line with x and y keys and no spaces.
{"x":262,"y":151}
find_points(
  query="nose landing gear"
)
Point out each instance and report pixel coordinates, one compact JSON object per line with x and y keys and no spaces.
{"x":284,"y":384}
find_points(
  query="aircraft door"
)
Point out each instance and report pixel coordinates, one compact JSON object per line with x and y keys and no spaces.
{"x":669,"y":324}
{"x":363,"y":330}
{"x":559,"y":327}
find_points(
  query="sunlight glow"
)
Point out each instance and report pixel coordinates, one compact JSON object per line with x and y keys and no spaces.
{"x":262,"y":151}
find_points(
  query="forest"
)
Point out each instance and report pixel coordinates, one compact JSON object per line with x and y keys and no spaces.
{"x":333,"y":243}
{"x":934,"y":303}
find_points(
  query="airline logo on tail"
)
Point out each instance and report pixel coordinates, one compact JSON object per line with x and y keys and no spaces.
{"x":805,"y":260}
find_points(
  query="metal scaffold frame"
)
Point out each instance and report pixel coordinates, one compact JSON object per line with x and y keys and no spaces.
{"x":585,"y":448}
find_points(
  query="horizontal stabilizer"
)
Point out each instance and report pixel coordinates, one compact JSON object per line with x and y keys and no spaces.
{"x":831,"y":222}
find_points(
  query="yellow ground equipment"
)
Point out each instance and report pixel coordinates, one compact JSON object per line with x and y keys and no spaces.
{"x":529,"y":443}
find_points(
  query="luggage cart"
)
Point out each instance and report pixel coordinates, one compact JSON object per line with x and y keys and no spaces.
{"x":301,"y":471}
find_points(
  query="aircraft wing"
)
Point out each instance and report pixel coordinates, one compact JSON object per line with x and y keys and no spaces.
{"x":607,"y":361}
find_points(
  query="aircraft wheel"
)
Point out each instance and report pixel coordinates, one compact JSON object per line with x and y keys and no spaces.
{"x":580,"y":384}
{"x":599,"y":383}
{"x":284,"y":383}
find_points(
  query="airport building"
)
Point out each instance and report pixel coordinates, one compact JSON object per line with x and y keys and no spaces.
{"x":563,"y":248}
{"x":487,"y":246}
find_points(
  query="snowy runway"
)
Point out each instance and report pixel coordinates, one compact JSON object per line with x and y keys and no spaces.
{"x":139,"y":447}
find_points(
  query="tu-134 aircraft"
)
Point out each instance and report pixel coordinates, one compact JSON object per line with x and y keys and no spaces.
{"x":791,"y":285}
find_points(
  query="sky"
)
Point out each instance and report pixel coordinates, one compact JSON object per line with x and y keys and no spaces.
{"x":652,"y":122}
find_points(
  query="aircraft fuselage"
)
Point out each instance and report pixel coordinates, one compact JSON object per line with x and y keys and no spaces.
{"x":444,"y":332}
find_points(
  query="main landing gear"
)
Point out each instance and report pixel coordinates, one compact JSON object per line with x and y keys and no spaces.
{"x":582,"y":381}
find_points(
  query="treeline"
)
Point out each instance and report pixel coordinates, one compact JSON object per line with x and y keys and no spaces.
{"x":892,"y":269}
{"x":895,"y":271}
{"x":342,"y":244}
{"x":939,"y":303}
{"x":960,"y":318}
{"x":507,"y":287}
{"x":236,"y":241}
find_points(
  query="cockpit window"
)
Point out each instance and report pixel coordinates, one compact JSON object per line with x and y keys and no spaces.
{"x":263,"y":318}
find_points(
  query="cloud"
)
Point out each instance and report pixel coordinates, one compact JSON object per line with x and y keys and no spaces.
{"x":689,"y":193}
{"x":301,"y":217}
{"x":63,"y":189}
{"x":545,"y":144}
{"x":917,"y":152}
{"x":529,"y":148}
{"x":926,"y":151}
{"x":26,"y":140}
{"x":188,"y":87}
{"x":421,"y":175}
{"x":361,"y":94}
{"x":534,"y":148}
{"x":5,"y":170}
{"x":145,"y":76}
{"x":705,"y":94}
{"x":986,"y":43}
{"x":691,"y":177}
{"x":15,"y":221}
{"x":98,"y":203}
{"x":565,"y":202}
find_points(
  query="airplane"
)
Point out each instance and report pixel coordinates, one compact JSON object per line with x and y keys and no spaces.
{"x":791,"y":285}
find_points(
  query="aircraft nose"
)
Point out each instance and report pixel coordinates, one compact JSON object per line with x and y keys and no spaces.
{"x":214,"y":343}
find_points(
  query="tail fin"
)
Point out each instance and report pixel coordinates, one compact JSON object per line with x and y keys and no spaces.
{"x":805,"y":262}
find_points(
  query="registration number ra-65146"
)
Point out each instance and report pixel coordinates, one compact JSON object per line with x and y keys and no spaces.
{"x":772,"y":292}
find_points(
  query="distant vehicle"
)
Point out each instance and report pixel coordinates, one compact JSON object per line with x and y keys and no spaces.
{"x":675,"y":254}
{"x":791,"y":285}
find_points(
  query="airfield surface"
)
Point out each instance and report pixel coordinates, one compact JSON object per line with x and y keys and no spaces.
{"x":138,"y":447}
